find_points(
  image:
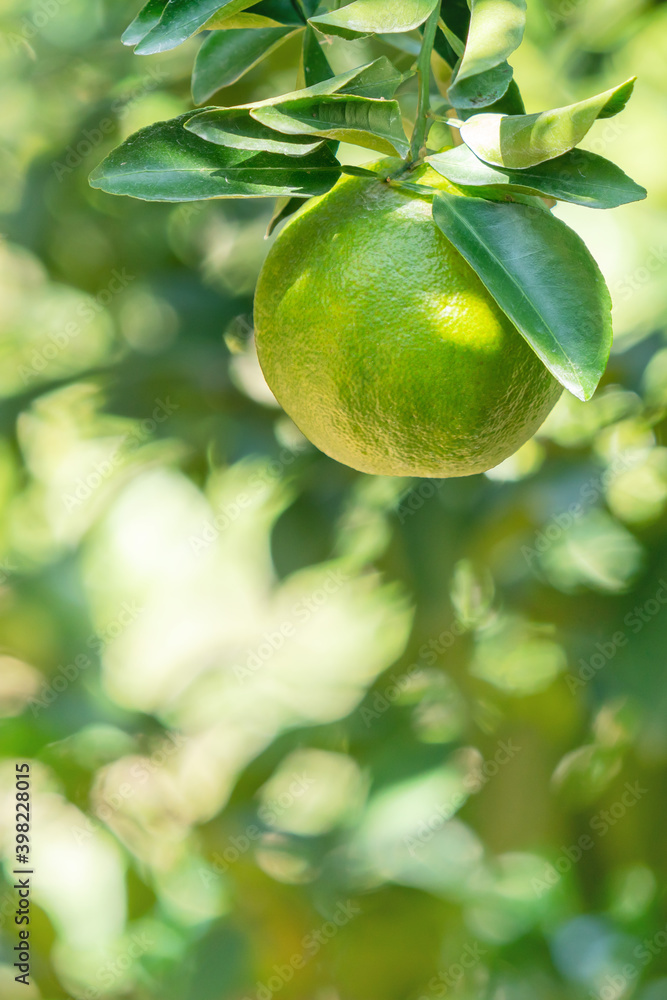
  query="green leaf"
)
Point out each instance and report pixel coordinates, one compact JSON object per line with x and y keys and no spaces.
{"x":542,"y":276}
{"x":482,"y":90}
{"x":183,"y":18}
{"x":226,"y":55}
{"x":165,"y":162}
{"x":285,"y":207}
{"x":144,"y":22}
{"x":496,"y":30}
{"x":577,"y":176}
{"x":315,"y":64}
{"x":520,"y":141}
{"x":366,"y":122}
{"x":264,"y":14}
{"x":366,"y":17}
{"x":236,"y":128}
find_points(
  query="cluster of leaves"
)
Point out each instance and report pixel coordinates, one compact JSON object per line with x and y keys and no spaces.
{"x":511,"y":163}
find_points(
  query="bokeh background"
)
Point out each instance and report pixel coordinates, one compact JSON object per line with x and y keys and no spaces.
{"x":295,"y":731}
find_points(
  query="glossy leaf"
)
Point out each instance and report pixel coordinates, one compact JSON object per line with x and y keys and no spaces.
{"x":265,"y":14}
{"x":496,"y":30}
{"x":578,"y":176}
{"x":144,"y":22}
{"x":236,"y":128}
{"x":367,"y":17}
{"x":165,"y":162}
{"x":284,"y":208}
{"x":542,"y":276}
{"x":369,"y":123}
{"x":226,"y":55}
{"x":314,"y":63}
{"x":519,"y":141}
{"x":183,"y":18}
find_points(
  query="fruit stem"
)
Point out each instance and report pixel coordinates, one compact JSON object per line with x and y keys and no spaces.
{"x":424,"y":78}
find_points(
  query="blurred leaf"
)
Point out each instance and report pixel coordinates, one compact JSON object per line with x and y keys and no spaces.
{"x":366,"y":17}
{"x":519,"y":141}
{"x":578,"y":176}
{"x":226,"y":55}
{"x":165,"y":162}
{"x":583,"y":774}
{"x":532,"y":263}
{"x":235,"y":128}
{"x":496,"y":30}
{"x":181,"y":19}
{"x":596,"y":552}
{"x":373,"y":124}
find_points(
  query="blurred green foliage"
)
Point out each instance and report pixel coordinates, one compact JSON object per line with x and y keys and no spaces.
{"x":294,"y":731}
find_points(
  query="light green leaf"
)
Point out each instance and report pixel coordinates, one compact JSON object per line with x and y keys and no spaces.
{"x":577,"y":176}
{"x":226,"y":55}
{"x":165,"y":162}
{"x":366,"y":17}
{"x":520,"y":141}
{"x":496,"y":30}
{"x":183,"y":18}
{"x":236,"y":128}
{"x":542,"y":276}
{"x":144,"y":22}
{"x":366,"y":122}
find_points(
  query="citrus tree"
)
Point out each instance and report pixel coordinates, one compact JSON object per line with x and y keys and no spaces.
{"x":421,"y":315}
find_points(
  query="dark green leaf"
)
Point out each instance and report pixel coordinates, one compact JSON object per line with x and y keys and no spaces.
{"x":165,"y":162}
{"x":285,"y":207}
{"x":183,"y":18}
{"x":315,"y":64}
{"x":144,"y":22}
{"x":236,"y":128}
{"x":482,"y":90}
{"x":369,"y":123}
{"x":542,"y":276}
{"x":264,"y":14}
{"x":226,"y":55}
{"x":496,"y":30}
{"x":366,"y":17}
{"x":520,"y":141}
{"x":577,"y":176}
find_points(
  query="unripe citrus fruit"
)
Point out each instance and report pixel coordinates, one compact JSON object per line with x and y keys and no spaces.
{"x":383,"y":345}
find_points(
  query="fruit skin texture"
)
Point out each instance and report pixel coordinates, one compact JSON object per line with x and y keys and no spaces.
{"x":383,"y":345}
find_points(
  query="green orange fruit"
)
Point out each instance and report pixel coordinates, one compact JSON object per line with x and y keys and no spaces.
{"x":384,"y":346}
